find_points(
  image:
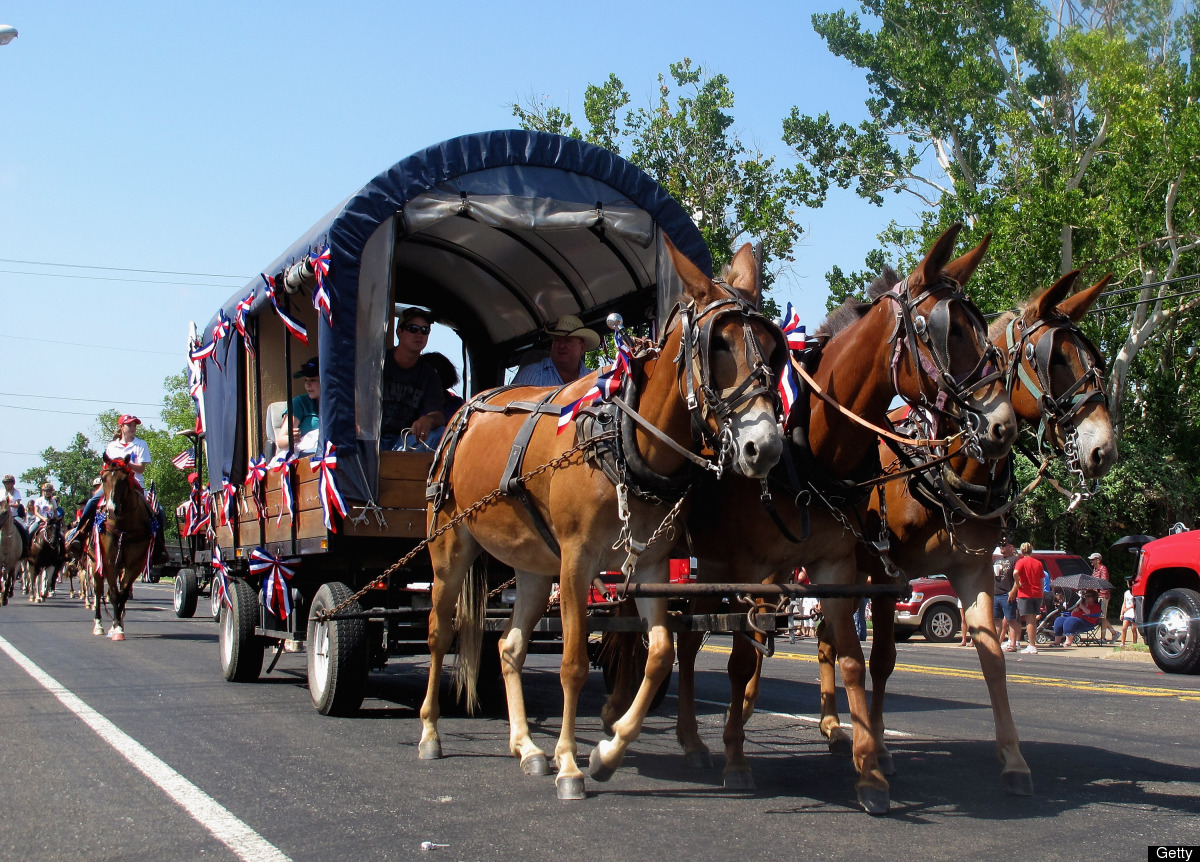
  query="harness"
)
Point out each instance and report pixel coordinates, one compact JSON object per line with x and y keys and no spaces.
{"x":611,"y":424}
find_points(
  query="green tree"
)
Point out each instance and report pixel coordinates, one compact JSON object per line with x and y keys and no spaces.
{"x":686,"y":141}
{"x":70,"y":470}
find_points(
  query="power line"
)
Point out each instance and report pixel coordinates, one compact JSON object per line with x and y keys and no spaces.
{"x":179,"y":355}
{"x":31,"y":454}
{"x":66,"y":398}
{"x":1150,"y":284}
{"x":46,"y":410}
{"x":1149,"y":301}
{"x":106,"y":278}
{"x":122,"y":269}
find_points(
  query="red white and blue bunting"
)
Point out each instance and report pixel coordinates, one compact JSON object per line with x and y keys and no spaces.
{"x":282,"y":464}
{"x":221,"y":578}
{"x":256,"y":477}
{"x":239,"y":321}
{"x":276,"y":596}
{"x":220,"y":329}
{"x":294,"y":326}
{"x":331,"y":498}
{"x":321,"y":299}
{"x":789,"y":384}
{"x":608,"y":383}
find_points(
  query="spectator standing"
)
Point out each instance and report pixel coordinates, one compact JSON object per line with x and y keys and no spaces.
{"x":1028,"y":576}
{"x":1128,"y":615}
{"x":1004,"y":611}
{"x":1099,"y":570}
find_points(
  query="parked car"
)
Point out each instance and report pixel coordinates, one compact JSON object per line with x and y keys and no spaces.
{"x":1166,"y":597}
{"x":932,"y":609}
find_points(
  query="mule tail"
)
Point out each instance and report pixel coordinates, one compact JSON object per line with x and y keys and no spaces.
{"x":469,"y":616}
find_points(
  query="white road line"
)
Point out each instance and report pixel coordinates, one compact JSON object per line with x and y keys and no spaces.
{"x":247,"y":844}
{"x":796,"y":716}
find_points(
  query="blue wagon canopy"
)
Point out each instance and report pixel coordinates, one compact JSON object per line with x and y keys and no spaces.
{"x":498,"y":234}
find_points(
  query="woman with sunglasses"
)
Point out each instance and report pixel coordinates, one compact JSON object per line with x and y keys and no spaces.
{"x":410,"y":390}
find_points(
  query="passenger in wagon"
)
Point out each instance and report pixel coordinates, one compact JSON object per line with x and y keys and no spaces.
{"x":410,"y":389}
{"x":306,"y":412}
{"x":569,"y":340}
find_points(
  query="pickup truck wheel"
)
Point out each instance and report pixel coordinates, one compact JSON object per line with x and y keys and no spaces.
{"x":1173,"y":632}
{"x":940,"y":624}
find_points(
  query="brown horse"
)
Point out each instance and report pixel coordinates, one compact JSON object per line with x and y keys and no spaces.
{"x":1048,"y":356}
{"x":47,"y":551}
{"x":10,"y":549}
{"x":919,"y":338}
{"x":126,"y":540}
{"x":712,"y":380}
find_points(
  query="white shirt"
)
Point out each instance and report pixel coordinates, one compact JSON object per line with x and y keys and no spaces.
{"x":15,"y":499}
{"x":45,"y":509}
{"x":134,"y":452}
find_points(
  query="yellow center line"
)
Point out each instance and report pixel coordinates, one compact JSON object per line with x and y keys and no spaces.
{"x":1016,"y":678}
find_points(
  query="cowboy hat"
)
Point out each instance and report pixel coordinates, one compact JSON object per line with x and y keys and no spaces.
{"x":570,"y":326}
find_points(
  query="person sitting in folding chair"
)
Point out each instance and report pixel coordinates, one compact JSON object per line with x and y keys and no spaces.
{"x":1084,"y":617}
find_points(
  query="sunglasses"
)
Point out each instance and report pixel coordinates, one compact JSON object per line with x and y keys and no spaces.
{"x":415,"y":328}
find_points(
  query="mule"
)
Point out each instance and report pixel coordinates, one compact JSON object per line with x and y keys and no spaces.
{"x":126,"y":534}
{"x":711,"y":381}
{"x":10,"y":550}
{"x":1054,"y":381}
{"x":919,"y":338}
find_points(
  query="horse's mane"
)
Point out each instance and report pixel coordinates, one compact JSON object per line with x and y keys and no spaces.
{"x":852,"y":310}
{"x":997,"y":327}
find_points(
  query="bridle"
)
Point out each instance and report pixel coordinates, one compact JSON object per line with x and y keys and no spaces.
{"x":118,"y":500}
{"x":1059,"y":414}
{"x":934,"y":361}
{"x":695,"y":372}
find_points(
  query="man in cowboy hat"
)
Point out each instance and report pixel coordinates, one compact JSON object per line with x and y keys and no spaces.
{"x":569,"y":340}
{"x":1099,"y":570}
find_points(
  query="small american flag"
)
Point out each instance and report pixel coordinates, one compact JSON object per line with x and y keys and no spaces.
{"x":185,"y":460}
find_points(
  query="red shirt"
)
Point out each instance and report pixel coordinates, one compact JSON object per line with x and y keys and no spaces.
{"x":1028,"y":573}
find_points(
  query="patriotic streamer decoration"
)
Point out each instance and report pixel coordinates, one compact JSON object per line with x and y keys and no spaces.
{"x":256,"y":475}
{"x":276,"y":595}
{"x":221,"y":580}
{"x":789,"y":385}
{"x":185,"y":460}
{"x":294,"y":326}
{"x":608,"y":383}
{"x":331,"y":497}
{"x":219,"y":331}
{"x":282,"y":464}
{"x":239,"y":321}
{"x":320,"y":268}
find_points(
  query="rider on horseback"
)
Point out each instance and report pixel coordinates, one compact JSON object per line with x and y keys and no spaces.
{"x":16,"y":506}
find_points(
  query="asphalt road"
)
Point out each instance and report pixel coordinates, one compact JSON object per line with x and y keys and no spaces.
{"x":1112,"y":745}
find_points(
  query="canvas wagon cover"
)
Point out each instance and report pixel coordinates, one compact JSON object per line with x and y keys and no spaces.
{"x":506,"y":179}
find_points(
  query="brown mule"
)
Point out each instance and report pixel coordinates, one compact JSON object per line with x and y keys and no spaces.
{"x":867,"y":359}
{"x":126,"y":540}
{"x":715,"y":373}
{"x":1041,"y":333}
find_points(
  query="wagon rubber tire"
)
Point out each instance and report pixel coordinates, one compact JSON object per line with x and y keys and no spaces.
{"x":940,"y":625}
{"x":187,"y":590}
{"x":338,"y":654}
{"x":1173,"y":632}
{"x":214,"y":602}
{"x":241,"y":649}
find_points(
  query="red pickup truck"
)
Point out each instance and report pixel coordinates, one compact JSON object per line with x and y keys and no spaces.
{"x":1166,"y":598}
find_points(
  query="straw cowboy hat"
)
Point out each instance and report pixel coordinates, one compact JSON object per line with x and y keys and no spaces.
{"x":570,"y":326}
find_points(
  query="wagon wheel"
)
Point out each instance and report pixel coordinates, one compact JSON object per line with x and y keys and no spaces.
{"x":187,"y":590}
{"x":338,"y":654}
{"x":241,"y":649}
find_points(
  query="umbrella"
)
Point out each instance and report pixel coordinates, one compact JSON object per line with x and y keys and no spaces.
{"x":1082,"y":582}
{"x":1131,"y":541}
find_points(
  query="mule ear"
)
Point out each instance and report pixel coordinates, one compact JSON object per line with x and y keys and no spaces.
{"x":930,"y":269}
{"x":1075,"y":307}
{"x":1042,"y":306}
{"x":696,"y":284}
{"x":745,"y":275}
{"x":961,"y":269}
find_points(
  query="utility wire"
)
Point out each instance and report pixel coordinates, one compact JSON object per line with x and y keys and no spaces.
{"x":122,"y":269}
{"x":179,"y":355}
{"x":66,"y":398}
{"x":1150,"y":284}
{"x":43,"y":410}
{"x":1101,"y":310}
{"x":106,"y":278}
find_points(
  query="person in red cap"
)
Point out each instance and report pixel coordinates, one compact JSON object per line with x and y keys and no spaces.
{"x":126,"y":444}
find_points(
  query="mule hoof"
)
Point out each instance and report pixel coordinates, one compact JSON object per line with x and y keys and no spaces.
{"x":886,"y":765}
{"x":739,"y":779}
{"x":535,"y":765}
{"x":1017,"y":783}
{"x":597,"y":768}
{"x":570,"y":788}
{"x":430,"y":749}
{"x":874,"y":800}
{"x":701,"y":758}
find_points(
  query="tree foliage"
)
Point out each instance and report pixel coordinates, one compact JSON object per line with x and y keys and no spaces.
{"x":687,"y":142}
{"x":70,"y":470}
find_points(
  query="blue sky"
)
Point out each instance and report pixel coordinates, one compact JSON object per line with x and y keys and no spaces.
{"x":205,"y":138}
